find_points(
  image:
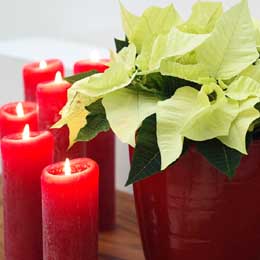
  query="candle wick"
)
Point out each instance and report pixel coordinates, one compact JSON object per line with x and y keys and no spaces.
{"x":58,"y":77}
{"x":43,"y":64}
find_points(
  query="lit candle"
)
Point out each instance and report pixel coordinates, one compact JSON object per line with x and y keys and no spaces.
{"x":37,"y":72}
{"x":69,"y":209}
{"x":104,"y":157}
{"x":15,"y":115}
{"x":24,"y":155}
{"x":51,"y":97}
{"x":93,"y":63}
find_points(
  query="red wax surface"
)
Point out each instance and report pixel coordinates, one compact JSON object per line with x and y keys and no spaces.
{"x":9,"y":121}
{"x":102,"y":150}
{"x":51,"y":97}
{"x":33,"y":75}
{"x":69,"y":206}
{"x":23,"y":162}
{"x":88,"y":65}
{"x":192,"y":211}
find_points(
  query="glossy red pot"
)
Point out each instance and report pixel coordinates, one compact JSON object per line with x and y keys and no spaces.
{"x":193,"y":212}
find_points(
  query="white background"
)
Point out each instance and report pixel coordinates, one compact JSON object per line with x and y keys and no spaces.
{"x":81,"y":21}
{"x":91,"y":21}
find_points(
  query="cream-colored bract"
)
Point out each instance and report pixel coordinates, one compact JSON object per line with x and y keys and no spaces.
{"x":126,"y":109}
{"x":232,"y":45}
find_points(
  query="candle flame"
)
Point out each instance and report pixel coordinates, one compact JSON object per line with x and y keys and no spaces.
{"x":67,"y":168}
{"x":94,"y":56}
{"x":26,"y":132}
{"x":19,"y":110}
{"x":43,"y":64}
{"x":58,"y":77}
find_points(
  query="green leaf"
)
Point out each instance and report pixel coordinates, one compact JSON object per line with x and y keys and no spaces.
{"x":243,"y":88}
{"x":225,"y":159}
{"x":239,"y":127}
{"x":232,"y":45}
{"x":74,"y":78}
{"x":119,"y":75}
{"x":120,"y":44}
{"x":146,"y":160}
{"x":126,"y":109}
{"x":203,"y":18}
{"x":164,"y":86}
{"x":154,"y":21}
{"x":96,"y":122}
{"x":175,"y":43}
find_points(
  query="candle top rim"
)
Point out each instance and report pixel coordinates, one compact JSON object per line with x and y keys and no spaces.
{"x":34,"y":66}
{"x":79,"y":166}
{"x":18,"y":137}
{"x":52,"y":84}
{"x":28,"y":107}
{"x":103,"y":61}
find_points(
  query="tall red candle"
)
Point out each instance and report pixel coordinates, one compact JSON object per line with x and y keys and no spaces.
{"x":51,"y":97}
{"x":37,"y":72}
{"x":23,"y":159}
{"x":70,"y":211}
{"x":14,"y":116}
{"x":104,"y":157}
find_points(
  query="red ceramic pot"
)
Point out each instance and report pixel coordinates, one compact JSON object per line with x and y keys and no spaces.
{"x":192,"y":211}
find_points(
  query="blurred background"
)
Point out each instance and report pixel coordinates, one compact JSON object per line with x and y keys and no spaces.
{"x":69,"y":30}
{"x":84,"y":21}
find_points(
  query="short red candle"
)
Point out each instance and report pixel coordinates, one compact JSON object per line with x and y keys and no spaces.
{"x":69,"y":206}
{"x":104,"y":157}
{"x":37,"y":72}
{"x":11,"y":122}
{"x":23,"y":161}
{"x":88,"y":65}
{"x":51,"y":97}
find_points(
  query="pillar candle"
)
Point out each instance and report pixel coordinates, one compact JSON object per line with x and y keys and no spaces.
{"x":37,"y":72}
{"x":88,"y":65}
{"x":23,"y":159}
{"x":51,"y":97}
{"x":69,"y":206}
{"x":14,"y":116}
{"x":104,"y":157}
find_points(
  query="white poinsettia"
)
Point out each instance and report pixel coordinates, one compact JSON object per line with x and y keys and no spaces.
{"x":200,"y":77}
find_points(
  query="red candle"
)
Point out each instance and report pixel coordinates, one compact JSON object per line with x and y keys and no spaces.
{"x":14,"y":116}
{"x":38,"y":72}
{"x":102,"y":150}
{"x":88,"y":65}
{"x":69,"y":206}
{"x":104,"y":157}
{"x":51,"y":97}
{"x":23,"y":158}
